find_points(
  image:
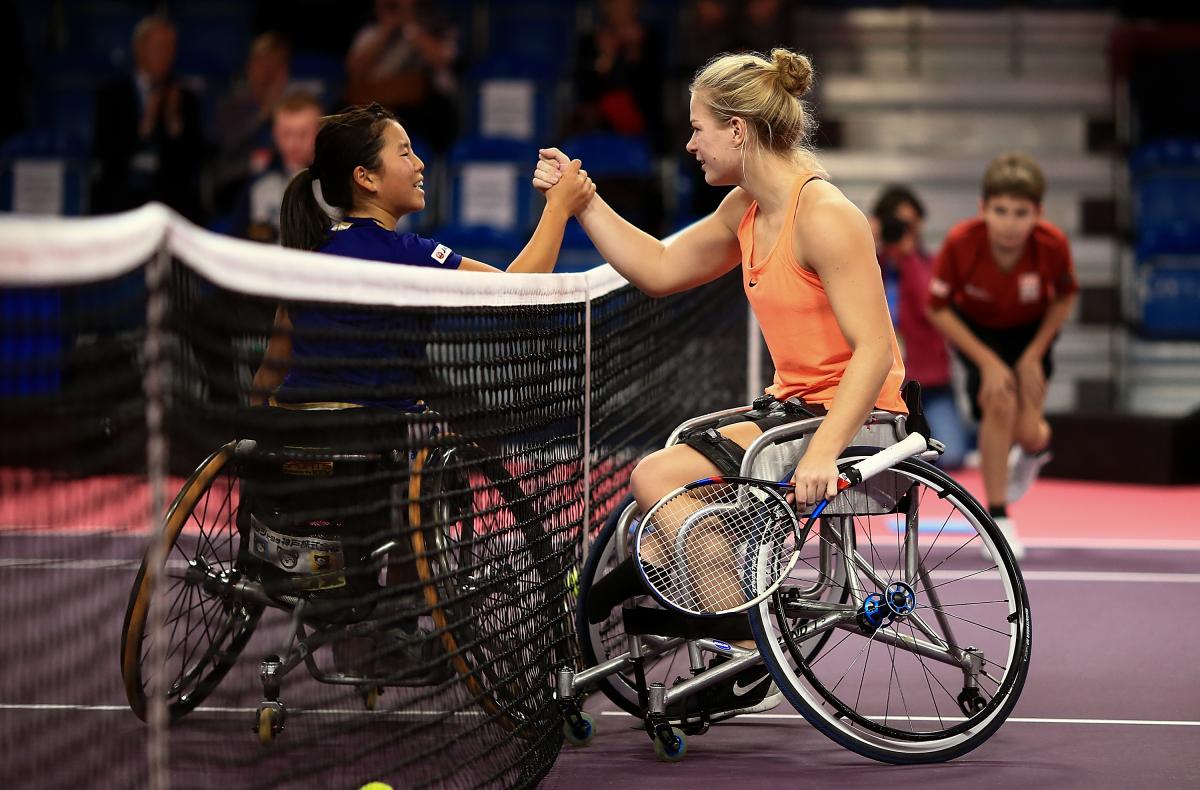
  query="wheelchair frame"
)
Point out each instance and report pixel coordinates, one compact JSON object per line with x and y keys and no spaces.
{"x":310,"y":625}
{"x":822,"y":617}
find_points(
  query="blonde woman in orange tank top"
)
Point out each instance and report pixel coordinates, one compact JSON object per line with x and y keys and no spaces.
{"x":807,"y":257}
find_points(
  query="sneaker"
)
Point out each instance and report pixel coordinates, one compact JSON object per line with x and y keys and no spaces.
{"x":1023,"y":469}
{"x":413,"y":655}
{"x":1009,"y":530}
{"x":749,"y":691}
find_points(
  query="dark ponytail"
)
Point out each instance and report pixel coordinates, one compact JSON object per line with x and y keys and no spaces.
{"x":303,"y":224}
{"x":344,"y":142}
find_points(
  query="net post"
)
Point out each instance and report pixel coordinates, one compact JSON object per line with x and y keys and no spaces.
{"x":154,"y":383}
{"x":587,"y":425}
{"x":753,"y":357}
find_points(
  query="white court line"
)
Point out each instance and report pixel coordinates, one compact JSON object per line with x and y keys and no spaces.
{"x":385,"y":714}
{"x":52,"y":564}
{"x":433,"y":713}
{"x":1095,"y":544}
{"x":1017,"y":719}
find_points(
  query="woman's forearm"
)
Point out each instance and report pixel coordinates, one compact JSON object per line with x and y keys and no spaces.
{"x":855,"y":399}
{"x":630,"y":250}
{"x":541,"y":253}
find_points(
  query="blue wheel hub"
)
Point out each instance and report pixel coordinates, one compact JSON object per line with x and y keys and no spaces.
{"x":901,"y":599}
{"x":880,"y":609}
{"x":874,"y":613}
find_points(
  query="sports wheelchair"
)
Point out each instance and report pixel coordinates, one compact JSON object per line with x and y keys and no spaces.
{"x":305,"y":525}
{"x":902,"y":632}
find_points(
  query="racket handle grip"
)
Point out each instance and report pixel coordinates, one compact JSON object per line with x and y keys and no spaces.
{"x":914,"y":444}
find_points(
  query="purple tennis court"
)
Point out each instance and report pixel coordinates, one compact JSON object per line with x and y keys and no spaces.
{"x":1112,"y":698}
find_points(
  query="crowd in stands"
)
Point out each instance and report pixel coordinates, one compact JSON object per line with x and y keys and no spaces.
{"x":203,"y":105}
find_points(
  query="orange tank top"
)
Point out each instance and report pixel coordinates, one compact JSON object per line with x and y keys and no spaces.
{"x":806,"y":344}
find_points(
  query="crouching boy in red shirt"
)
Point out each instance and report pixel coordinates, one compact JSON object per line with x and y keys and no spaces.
{"x":1002,"y":287}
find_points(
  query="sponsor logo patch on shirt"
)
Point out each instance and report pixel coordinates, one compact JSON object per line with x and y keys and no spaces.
{"x":939,"y":287}
{"x":440,"y":253}
{"x":1029,"y":287}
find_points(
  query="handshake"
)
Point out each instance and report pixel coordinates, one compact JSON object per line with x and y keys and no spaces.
{"x":563,"y":181}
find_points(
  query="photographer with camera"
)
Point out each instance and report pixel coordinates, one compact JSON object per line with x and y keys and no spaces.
{"x":897,"y":220}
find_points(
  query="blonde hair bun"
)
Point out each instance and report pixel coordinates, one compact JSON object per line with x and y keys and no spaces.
{"x":795,"y":71}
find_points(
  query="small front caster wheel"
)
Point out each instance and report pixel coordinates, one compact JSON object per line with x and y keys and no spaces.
{"x":580,"y":733}
{"x":970,"y":701}
{"x":672,"y":753}
{"x":370,"y":698}
{"x":268,"y":725}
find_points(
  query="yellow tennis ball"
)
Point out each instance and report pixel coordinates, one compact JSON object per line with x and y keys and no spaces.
{"x":376,"y":786}
{"x":573,"y":581}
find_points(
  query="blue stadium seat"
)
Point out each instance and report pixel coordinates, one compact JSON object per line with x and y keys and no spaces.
{"x":1165,"y":156}
{"x":25,"y":355}
{"x":504,"y":118}
{"x":1166,"y":208}
{"x":578,"y":253}
{"x":321,"y":74}
{"x":540,"y":31}
{"x":36,"y":149}
{"x":104,"y":29}
{"x":214,"y":44}
{"x":624,"y":171}
{"x":498,"y":172}
{"x":64,"y":96}
{"x":606,"y":154}
{"x":1168,"y":293}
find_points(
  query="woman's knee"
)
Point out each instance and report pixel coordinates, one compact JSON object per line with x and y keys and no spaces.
{"x":653,"y":477}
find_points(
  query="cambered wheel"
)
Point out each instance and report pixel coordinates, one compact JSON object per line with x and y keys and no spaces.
{"x":492,"y":579}
{"x":206,"y":628}
{"x":892,"y":683}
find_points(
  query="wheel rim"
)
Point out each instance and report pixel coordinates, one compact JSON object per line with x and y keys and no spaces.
{"x":205,"y":632}
{"x":871,"y":691}
{"x":494,"y":588}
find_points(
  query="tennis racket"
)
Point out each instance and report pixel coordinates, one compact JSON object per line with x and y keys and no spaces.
{"x":720,"y":545}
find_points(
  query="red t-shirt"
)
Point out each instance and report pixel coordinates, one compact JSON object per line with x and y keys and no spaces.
{"x":926,"y":357}
{"x":967,"y":276}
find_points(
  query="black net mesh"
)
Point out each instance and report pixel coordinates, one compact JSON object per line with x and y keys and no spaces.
{"x":369,"y":579}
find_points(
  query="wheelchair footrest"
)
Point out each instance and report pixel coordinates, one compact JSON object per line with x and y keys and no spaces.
{"x":660,"y":622}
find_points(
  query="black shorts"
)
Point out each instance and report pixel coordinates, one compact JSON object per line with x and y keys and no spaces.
{"x":1009,"y":344}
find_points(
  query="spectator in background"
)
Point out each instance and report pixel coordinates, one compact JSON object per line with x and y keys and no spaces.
{"x":406,"y":61}
{"x":897,"y":221}
{"x":618,"y":76}
{"x":294,"y":133}
{"x":244,"y":118}
{"x":148,"y":142}
{"x":1002,"y":287}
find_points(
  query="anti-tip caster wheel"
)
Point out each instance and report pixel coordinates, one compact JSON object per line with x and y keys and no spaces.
{"x":672,"y":753}
{"x":581,"y":733}
{"x":270,"y":722}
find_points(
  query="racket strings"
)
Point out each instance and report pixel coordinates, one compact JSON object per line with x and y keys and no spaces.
{"x":716,"y":548}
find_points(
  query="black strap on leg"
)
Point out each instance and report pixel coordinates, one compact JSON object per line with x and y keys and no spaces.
{"x":620,"y":583}
{"x":663,"y":622}
{"x":725,"y":453}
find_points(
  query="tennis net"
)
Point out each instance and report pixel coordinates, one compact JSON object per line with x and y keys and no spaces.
{"x":401,"y":522}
